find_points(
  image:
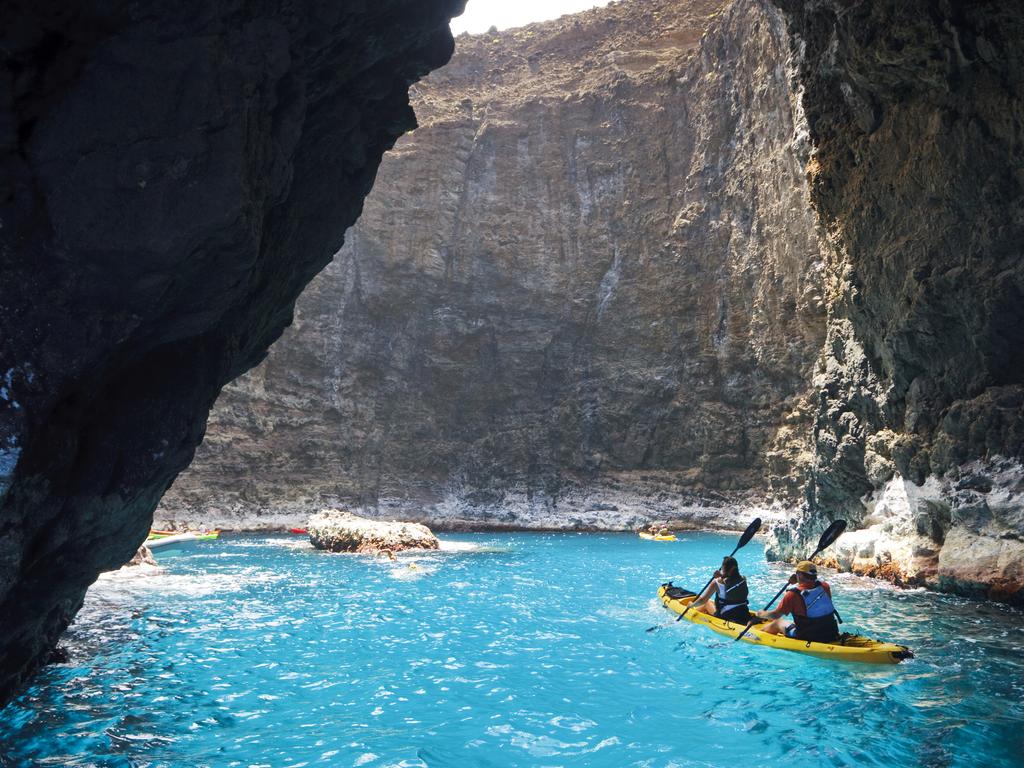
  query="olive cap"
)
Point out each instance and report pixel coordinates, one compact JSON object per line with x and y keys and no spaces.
{"x":808,"y":567}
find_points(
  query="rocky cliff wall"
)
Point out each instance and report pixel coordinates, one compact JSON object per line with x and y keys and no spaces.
{"x":585,"y":292}
{"x":916,"y":112}
{"x":594,"y":288}
{"x":173,"y":173}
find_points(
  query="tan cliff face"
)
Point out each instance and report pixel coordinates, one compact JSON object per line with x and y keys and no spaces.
{"x":585,"y":292}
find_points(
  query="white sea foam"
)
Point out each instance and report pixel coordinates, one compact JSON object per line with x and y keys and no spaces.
{"x":410,"y":573}
{"x":462,"y":546}
{"x":141,"y":579}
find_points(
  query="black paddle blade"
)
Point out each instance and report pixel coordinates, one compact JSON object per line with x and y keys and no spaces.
{"x":831,"y":533}
{"x":748,"y":534}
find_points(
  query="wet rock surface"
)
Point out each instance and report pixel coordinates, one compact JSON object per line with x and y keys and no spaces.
{"x":584,"y":294}
{"x":341,"y":531}
{"x":171,"y":175}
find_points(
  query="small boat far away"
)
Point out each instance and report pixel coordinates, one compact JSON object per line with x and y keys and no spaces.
{"x":657,"y":536}
{"x":165,"y":539}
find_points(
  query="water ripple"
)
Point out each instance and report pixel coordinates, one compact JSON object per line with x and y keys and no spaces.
{"x":501,"y":650}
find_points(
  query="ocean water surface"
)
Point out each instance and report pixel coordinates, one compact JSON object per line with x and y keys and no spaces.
{"x":504,"y":650}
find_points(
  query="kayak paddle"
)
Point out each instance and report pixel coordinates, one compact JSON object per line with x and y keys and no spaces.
{"x":831,"y":534}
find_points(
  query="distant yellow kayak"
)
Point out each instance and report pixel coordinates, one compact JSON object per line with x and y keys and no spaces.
{"x":657,"y":536}
{"x":847,"y":648}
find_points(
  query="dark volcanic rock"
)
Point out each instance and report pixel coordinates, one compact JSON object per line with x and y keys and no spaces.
{"x":173,"y":173}
{"x":583,"y":293}
{"x":916,"y":111}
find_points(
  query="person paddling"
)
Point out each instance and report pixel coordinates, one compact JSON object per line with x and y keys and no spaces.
{"x":810,"y":605}
{"x":730,"y":591}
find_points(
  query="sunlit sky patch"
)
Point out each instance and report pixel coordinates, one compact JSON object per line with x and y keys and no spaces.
{"x":481,"y":15}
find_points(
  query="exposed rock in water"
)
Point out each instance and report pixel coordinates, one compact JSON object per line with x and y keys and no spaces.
{"x":341,"y":531}
{"x":173,"y":173}
{"x":916,"y":111}
{"x":143,"y":557}
{"x":585,"y":293}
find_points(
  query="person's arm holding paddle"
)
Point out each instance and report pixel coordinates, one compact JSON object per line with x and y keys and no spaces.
{"x":775,"y":625}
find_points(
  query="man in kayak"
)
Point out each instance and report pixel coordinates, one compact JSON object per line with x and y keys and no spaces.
{"x":810,"y":605}
{"x":730,"y":591}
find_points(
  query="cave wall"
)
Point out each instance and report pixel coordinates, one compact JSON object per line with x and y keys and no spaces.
{"x":583,"y":293}
{"x":916,"y":112}
{"x":172,"y":175}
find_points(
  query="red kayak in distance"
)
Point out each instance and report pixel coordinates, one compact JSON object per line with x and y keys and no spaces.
{"x":297,"y":530}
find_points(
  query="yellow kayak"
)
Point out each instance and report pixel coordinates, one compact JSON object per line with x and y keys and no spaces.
{"x":847,"y":648}
{"x":657,"y":536}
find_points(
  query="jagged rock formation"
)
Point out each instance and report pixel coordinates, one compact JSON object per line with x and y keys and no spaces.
{"x":916,"y":111}
{"x":340,"y":531}
{"x":173,"y":173}
{"x":584,"y":293}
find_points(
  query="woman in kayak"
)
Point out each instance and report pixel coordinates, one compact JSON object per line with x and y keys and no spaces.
{"x":730,"y":591}
{"x":810,"y":605}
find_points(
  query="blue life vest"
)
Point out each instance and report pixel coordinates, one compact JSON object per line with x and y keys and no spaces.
{"x":819,"y":625}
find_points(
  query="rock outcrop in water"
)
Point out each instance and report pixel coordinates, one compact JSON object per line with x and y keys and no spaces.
{"x":340,"y":531}
{"x":173,"y":173}
{"x":144,"y":556}
{"x":584,"y":293}
{"x":916,"y":111}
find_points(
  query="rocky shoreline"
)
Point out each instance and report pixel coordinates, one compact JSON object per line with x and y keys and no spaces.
{"x":593,"y":511}
{"x":907,"y":540}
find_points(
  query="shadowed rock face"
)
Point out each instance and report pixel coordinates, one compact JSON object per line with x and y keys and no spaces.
{"x":173,"y":173}
{"x":916,"y":111}
{"x":584,"y":292}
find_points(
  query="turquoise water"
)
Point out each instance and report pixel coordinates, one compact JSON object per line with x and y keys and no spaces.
{"x":259,"y":651}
